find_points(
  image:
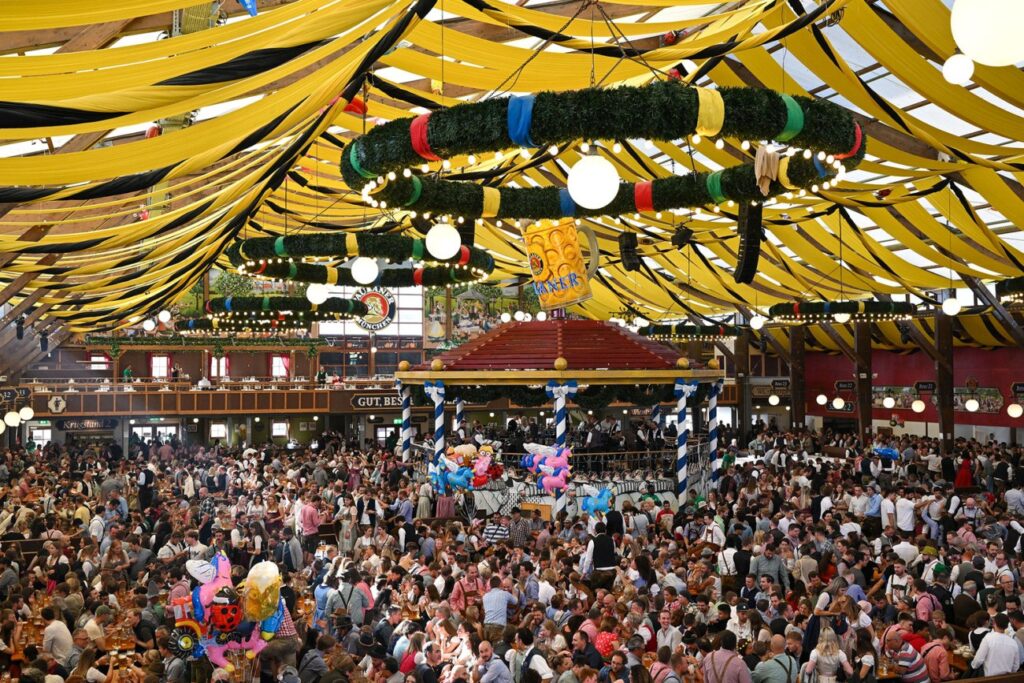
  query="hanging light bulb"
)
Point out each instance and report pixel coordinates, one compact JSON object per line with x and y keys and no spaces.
{"x":951,"y":306}
{"x":317,"y":293}
{"x":12,"y":419}
{"x":958,"y":69}
{"x":888,"y":402}
{"x":26,"y":413}
{"x":757,"y":322}
{"x":164,"y":316}
{"x":365,"y":270}
{"x":838,"y":403}
{"x":443,"y":241}
{"x":988,"y":31}
{"x":593,"y":182}
{"x":527,"y":317}
{"x":519,"y":316}
{"x":541,"y":316}
{"x":972,"y":405}
{"x":148,"y":325}
{"x":505,"y":317}
{"x":917,"y":406}
{"x":821,"y":399}
{"x":773,"y":400}
{"x":841,"y":318}
{"x":1015,"y":410}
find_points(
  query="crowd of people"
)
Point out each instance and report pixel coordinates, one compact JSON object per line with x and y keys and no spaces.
{"x":792,"y":565}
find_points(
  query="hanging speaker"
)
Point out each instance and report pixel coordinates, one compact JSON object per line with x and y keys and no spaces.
{"x":681,"y":237}
{"x":748,"y":224}
{"x":19,"y":327}
{"x":627,"y":251}
{"x":44,"y":342}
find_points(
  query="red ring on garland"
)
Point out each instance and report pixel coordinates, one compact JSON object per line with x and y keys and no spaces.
{"x":796,"y":310}
{"x":643,"y":196}
{"x":259,"y":271}
{"x":858,"y":139}
{"x":208,"y":309}
{"x":417,"y":277}
{"x":418,"y":138}
{"x":463,"y":255}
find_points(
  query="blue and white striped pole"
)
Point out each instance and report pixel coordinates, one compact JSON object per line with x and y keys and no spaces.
{"x":716,"y":389}
{"x":560,"y":392}
{"x":405,"y":394}
{"x":656,"y":415}
{"x":460,"y":412}
{"x":435,"y":390}
{"x":683,"y":390}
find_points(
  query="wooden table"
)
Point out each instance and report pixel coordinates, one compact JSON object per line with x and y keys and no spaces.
{"x":957,"y":663}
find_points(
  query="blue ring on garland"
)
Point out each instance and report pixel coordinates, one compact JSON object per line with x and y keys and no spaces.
{"x":520,"y":116}
{"x":822,"y":173}
{"x":227,"y":304}
{"x":568,"y":206}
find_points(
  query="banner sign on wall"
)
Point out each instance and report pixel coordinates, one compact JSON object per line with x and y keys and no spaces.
{"x":86,"y":424}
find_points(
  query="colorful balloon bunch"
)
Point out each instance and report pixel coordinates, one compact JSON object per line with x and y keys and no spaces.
{"x":218,"y":616}
{"x":550,"y":464}
{"x":486,"y":467}
{"x":599,"y":503}
{"x":464,"y":467}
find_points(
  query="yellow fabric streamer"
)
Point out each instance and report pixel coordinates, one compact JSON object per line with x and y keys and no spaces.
{"x":784,"y":174}
{"x":711,"y":114}
{"x":332,"y":276}
{"x":492,"y":202}
{"x":351,"y":246}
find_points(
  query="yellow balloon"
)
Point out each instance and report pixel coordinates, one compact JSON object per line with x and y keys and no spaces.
{"x":262,"y":591}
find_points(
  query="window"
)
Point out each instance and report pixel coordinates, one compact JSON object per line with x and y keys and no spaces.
{"x":166,"y":431}
{"x":160,"y":366}
{"x":219,"y":367}
{"x":218,"y":430}
{"x":98,"y":361}
{"x":41,"y":436}
{"x":279,"y":366}
{"x":278,"y":428}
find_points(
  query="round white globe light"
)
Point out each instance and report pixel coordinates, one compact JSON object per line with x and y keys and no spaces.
{"x":951,"y":306}
{"x":317,"y":293}
{"x":593,"y":182}
{"x":1015,"y":410}
{"x":822,"y":399}
{"x":972,"y":405}
{"x":917,"y":406}
{"x":757,"y":322}
{"x":164,"y":316}
{"x":3,"y":427}
{"x":505,"y":317}
{"x":841,"y":318}
{"x":958,"y":69}
{"x":988,"y":31}
{"x":838,"y":403}
{"x":148,"y":325}
{"x":26,"y":413}
{"x":888,"y":402}
{"x":443,"y":241}
{"x":519,"y":316}
{"x":365,"y":270}
{"x":527,"y":317}
{"x":773,"y":400}
{"x":12,"y":419}
{"x":541,"y":316}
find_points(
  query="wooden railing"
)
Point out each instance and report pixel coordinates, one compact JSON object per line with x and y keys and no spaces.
{"x":149,"y":384}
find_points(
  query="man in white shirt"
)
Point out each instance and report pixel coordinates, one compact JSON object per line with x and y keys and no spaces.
{"x":999,"y":653}
{"x":889,"y":509}
{"x":906,"y":550}
{"x":56,"y":636}
{"x":97,"y":526}
{"x":858,"y":503}
{"x":668,"y":635}
{"x":905,"y":517}
{"x":740,"y":625}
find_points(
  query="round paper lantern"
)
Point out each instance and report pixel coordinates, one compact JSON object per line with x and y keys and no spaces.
{"x":541,"y":316}
{"x":443,"y":241}
{"x":317,"y":293}
{"x":506,"y":317}
{"x":972,"y":405}
{"x":1015,"y":410}
{"x":888,"y":402}
{"x":757,"y":322}
{"x":917,"y":406}
{"x":26,"y":413}
{"x":841,"y":318}
{"x":958,"y":69}
{"x":148,"y":325}
{"x":988,"y":31}
{"x":593,"y":182}
{"x":164,"y":316}
{"x":838,"y":403}
{"x":519,"y":316}
{"x":365,"y":270}
{"x":822,"y":399}
{"x":773,"y":400}
{"x":951,"y":306}
{"x":12,"y":419}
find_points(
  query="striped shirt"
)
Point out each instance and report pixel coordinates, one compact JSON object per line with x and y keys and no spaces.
{"x":907,"y":657}
{"x":495,"y":532}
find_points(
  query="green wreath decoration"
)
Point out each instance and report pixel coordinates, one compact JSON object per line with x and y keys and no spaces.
{"x":284,"y":306}
{"x":201,"y":341}
{"x":275,"y":325}
{"x":813,"y":312}
{"x":437,"y":276}
{"x":260,"y":255}
{"x":379,"y":162}
{"x":688,"y":333}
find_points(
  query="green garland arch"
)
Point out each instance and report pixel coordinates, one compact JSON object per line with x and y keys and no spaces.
{"x":663,"y":110}
{"x":294,"y":306}
{"x":437,"y":276}
{"x":685,"y":332}
{"x":1011,"y":291}
{"x":825,"y":311}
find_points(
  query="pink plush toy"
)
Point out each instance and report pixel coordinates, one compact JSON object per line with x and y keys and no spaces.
{"x":252,"y":645}
{"x":213,"y":576}
{"x":482,"y":464}
{"x":554,"y":482}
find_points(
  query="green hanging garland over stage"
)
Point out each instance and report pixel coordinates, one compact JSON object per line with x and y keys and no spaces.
{"x":378,"y":162}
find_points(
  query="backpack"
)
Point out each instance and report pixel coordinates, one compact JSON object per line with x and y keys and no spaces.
{"x":943,"y":597}
{"x":148,"y":478}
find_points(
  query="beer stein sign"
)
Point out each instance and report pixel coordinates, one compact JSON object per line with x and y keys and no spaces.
{"x":560,"y":276}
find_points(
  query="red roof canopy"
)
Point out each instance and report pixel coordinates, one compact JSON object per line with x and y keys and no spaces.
{"x":585,"y":344}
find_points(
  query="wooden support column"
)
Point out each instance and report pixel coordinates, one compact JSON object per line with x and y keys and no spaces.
{"x":797,"y":378}
{"x":741,"y":358}
{"x":862,"y":349}
{"x":944,"y":380}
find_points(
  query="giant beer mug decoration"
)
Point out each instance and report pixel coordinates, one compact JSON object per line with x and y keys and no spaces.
{"x":560,"y":277}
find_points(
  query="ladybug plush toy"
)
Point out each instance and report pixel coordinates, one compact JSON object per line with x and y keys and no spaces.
{"x":225,"y":612}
